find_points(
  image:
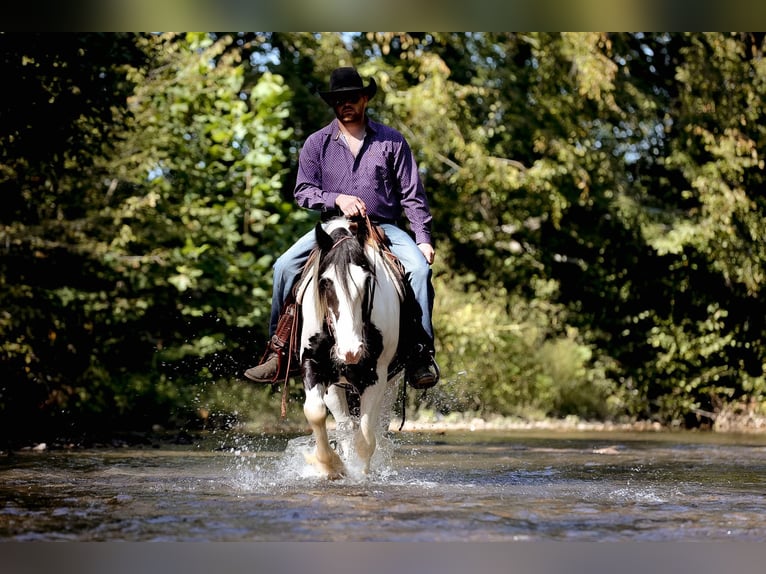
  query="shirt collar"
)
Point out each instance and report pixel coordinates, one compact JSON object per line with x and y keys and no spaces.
{"x":335,"y":132}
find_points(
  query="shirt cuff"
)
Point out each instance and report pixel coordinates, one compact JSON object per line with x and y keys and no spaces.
{"x":423,"y":237}
{"x":329,"y":200}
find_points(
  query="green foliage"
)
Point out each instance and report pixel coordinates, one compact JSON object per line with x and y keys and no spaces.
{"x":202,"y":195}
{"x":504,"y":354}
{"x":597,"y":204}
{"x":172,"y":258}
{"x":621,"y":167}
{"x":200,"y":212}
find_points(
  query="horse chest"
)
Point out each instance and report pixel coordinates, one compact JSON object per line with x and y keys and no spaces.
{"x":320,"y":366}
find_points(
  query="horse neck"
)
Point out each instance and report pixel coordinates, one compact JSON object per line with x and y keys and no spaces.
{"x":385,"y":268}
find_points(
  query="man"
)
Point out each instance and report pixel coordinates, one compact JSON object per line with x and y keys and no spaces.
{"x":357,"y":167}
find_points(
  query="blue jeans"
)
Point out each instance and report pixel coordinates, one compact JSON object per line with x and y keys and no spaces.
{"x":289,"y":265}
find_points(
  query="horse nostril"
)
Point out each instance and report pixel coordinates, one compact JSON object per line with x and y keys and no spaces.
{"x":352,"y":357}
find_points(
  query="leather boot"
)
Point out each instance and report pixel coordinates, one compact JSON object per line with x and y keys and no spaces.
{"x":416,"y":348}
{"x":267,"y":370}
{"x":276,"y":360}
{"x":422,"y":370}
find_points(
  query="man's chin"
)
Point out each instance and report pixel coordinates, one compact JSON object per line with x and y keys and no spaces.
{"x":347,"y":116}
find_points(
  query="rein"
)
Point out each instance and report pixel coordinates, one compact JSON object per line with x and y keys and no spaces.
{"x":292,"y":344}
{"x":369,"y":295}
{"x":341,"y":240}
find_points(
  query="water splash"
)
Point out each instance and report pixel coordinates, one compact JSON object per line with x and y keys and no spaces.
{"x":252,"y":470}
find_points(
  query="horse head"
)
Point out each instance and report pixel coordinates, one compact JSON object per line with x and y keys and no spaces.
{"x":343,"y":286}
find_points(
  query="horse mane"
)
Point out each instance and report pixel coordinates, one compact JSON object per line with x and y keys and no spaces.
{"x":339,"y":246}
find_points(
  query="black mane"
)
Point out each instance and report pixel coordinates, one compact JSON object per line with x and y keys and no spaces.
{"x":341,"y":249}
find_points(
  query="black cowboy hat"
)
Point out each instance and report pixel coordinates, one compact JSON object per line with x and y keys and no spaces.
{"x":345,"y":82}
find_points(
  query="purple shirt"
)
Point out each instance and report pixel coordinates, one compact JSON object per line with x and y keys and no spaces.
{"x":384,"y":175}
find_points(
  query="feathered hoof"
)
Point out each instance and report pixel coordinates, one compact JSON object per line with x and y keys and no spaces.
{"x":332,"y":469}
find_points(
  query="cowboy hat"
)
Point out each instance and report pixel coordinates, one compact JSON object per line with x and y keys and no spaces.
{"x":345,"y":82}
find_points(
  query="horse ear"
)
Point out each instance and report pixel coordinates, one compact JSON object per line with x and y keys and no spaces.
{"x":324,"y":241}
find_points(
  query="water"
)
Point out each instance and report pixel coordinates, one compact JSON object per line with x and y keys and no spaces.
{"x":453,"y":486}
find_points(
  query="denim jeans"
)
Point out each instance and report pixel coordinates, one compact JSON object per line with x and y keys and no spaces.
{"x":288,"y":267}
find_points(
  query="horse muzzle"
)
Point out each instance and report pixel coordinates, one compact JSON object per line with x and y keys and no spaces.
{"x":350,"y":356}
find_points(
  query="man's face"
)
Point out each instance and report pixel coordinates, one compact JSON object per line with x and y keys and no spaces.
{"x":349,"y":108}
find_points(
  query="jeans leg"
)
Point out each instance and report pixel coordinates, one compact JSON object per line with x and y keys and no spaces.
{"x":418,"y":271}
{"x":287,"y":269}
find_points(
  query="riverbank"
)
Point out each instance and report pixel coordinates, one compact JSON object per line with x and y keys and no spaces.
{"x":158,"y":437}
{"x":727,"y":421}
{"x":749,"y":422}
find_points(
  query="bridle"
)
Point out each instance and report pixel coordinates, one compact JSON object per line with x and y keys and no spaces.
{"x":369,"y":294}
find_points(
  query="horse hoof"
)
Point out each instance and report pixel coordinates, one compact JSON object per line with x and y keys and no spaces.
{"x":334,"y":470}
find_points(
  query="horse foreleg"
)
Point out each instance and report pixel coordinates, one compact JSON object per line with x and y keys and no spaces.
{"x":324,"y":458}
{"x":366,"y":437}
{"x":336,"y":401}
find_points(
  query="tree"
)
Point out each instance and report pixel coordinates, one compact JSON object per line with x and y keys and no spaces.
{"x":577,"y":152}
{"x":597,"y":203}
{"x":64,"y":110}
{"x":699,"y":208}
{"x":172,"y":257}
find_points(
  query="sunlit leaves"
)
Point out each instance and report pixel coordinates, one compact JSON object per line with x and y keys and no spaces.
{"x":597,"y":204}
{"x":625,"y":165}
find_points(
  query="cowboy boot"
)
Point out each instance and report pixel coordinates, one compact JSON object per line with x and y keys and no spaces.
{"x":422,"y":371}
{"x":275,"y":361}
{"x":416,"y":347}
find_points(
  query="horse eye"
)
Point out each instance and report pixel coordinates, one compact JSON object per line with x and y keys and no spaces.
{"x":325,"y":284}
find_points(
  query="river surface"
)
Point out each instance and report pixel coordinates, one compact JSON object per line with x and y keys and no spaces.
{"x":451,"y":486}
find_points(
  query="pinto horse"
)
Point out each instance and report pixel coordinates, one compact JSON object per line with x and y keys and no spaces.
{"x":350,"y":312}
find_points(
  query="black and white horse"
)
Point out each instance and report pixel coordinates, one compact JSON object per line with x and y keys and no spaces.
{"x":350,"y":311}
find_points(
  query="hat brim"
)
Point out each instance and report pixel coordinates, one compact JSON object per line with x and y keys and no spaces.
{"x":369,"y":90}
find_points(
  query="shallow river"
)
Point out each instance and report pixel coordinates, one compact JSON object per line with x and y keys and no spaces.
{"x":454,"y":486}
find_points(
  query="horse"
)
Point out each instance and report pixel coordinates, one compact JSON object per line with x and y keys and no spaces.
{"x":349,"y":332}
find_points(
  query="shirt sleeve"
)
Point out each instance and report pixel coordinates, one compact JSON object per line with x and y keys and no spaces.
{"x":308,"y":185}
{"x":413,"y":199}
